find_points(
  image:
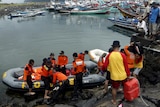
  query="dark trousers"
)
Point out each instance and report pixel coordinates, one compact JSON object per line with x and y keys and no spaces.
{"x":29,"y":81}
{"x":78,"y":84}
{"x":46,"y":81}
{"x":62,"y":69}
{"x":61,"y":90}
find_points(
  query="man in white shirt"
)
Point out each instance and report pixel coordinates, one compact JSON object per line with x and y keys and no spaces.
{"x":142,"y":27}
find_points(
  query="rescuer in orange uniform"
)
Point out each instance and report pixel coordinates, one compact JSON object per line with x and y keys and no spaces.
{"x":53,"y":60}
{"x":28,"y":70}
{"x":129,"y":51}
{"x":62,"y":62}
{"x":46,"y":74}
{"x":59,"y":77}
{"x":79,"y":67}
{"x":100,"y":63}
{"x":82,"y":55}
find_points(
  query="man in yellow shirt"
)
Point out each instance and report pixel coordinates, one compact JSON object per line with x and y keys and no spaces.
{"x":118,"y":68}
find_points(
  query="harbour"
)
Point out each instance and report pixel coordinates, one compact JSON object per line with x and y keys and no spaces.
{"x":36,"y":37}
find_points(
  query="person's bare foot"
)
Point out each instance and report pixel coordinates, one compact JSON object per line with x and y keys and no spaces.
{"x":46,"y":97}
{"x":113,"y":102}
{"x":31,"y":93}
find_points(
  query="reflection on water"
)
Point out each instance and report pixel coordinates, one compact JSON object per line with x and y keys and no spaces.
{"x":22,"y":39}
{"x":26,"y":19}
{"x":122,"y":30}
{"x":90,"y":20}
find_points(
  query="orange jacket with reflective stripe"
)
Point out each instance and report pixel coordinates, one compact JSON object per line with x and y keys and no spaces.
{"x":81,"y":56}
{"x":130,"y":57}
{"x":62,"y":60}
{"x":59,"y":76}
{"x":46,"y":71}
{"x":28,"y":70}
{"x":78,"y":65}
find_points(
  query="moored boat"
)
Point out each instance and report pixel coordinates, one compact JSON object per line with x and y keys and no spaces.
{"x":83,"y":11}
{"x":127,"y":14}
{"x":27,"y":13}
{"x":128,"y":23}
{"x":11,"y":78}
{"x":17,"y":14}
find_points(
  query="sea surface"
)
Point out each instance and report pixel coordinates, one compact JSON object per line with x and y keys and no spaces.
{"x":36,"y":37}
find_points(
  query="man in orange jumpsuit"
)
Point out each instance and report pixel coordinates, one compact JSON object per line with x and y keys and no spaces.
{"x":100,"y":64}
{"x":45,"y":76}
{"x":82,"y":55}
{"x":28,"y":70}
{"x":62,"y":79}
{"x":79,"y":67}
{"x":129,"y":51}
{"x":53,"y":60}
{"x":62,"y":62}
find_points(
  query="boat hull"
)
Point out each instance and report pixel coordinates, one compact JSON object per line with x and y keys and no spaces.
{"x":103,"y":11}
{"x":128,"y":24}
{"x":14,"y":83}
{"x":127,"y":14}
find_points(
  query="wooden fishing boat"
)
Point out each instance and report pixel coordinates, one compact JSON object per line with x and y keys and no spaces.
{"x":127,"y":23}
{"x":127,"y":14}
{"x":88,"y":11}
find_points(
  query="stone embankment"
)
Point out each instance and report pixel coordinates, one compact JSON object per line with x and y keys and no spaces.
{"x":6,"y":9}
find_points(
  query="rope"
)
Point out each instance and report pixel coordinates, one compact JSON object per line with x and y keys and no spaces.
{"x":143,"y":101}
{"x":123,"y":99}
{"x":141,"y":95}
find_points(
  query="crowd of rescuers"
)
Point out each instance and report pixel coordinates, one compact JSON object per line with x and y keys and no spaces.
{"x":55,"y":70}
{"x":119,"y":65}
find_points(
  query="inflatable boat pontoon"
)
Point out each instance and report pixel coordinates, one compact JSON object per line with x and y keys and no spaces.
{"x":10,"y":78}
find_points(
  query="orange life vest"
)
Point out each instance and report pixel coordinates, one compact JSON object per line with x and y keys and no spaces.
{"x":28,"y":70}
{"x":78,"y":65}
{"x":46,"y":71}
{"x":59,"y":76}
{"x":130,"y":57}
{"x":100,"y":63}
{"x":81,"y":56}
{"x":62,"y":60}
{"x":37,"y":73}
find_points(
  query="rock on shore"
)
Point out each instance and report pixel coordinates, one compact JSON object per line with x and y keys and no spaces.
{"x":98,"y":99}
